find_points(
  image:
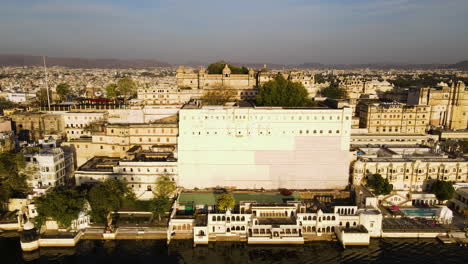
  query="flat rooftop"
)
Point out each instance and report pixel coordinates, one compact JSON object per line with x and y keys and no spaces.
{"x":246,"y":104}
{"x":209,"y":198}
{"x":100,"y":163}
{"x":106,"y":164}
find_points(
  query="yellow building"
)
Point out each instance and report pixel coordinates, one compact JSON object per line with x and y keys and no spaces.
{"x":38,"y":124}
{"x":391,"y":118}
{"x":449,"y":105}
{"x":243,"y":85}
{"x":118,"y":139}
{"x":408,"y":168}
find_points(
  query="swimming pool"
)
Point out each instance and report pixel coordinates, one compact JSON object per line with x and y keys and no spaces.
{"x":419,"y":212}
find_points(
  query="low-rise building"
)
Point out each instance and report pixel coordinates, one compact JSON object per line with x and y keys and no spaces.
{"x":117,"y":139}
{"x":38,"y":124}
{"x":140,"y":172}
{"x":410,"y":169}
{"x":460,"y":200}
{"x":292,"y":222}
{"x":47,"y":167}
{"x":19,"y":97}
{"x":78,"y":124}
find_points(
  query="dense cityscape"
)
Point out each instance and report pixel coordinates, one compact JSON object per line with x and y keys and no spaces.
{"x":229,"y":153}
{"x":247,"y":132}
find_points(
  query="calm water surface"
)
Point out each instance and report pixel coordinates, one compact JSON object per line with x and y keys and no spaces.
{"x":155,"y":251}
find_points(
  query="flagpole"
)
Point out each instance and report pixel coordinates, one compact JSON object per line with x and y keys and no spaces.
{"x":47,"y":85}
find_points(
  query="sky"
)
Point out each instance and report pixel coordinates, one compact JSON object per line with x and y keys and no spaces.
{"x":247,"y":31}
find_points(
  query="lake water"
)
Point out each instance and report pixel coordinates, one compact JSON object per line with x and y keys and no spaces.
{"x":422,"y":251}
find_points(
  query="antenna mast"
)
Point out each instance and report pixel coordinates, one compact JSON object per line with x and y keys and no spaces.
{"x":47,"y":85}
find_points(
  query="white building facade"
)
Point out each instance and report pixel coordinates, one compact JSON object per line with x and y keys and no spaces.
{"x":140,"y":176}
{"x":76,"y":123}
{"x":269,"y":148}
{"x":47,"y":168}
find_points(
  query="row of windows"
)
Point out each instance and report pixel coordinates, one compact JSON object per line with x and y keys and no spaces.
{"x":395,"y":178}
{"x":309,"y":229}
{"x":300,"y":132}
{"x":320,"y":219}
{"x":398,"y":123}
{"x":395,"y":129}
{"x":268,"y":117}
{"x":78,"y":132}
{"x":384,"y":140}
{"x":399,"y":116}
{"x":147,"y":170}
{"x":223,"y":218}
{"x":148,"y":139}
{"x":53,"y":168}
{"x":150,"y":130}
{"x":75,"y":125}
{"x":390,"y":170}
{"x":85,"y":117}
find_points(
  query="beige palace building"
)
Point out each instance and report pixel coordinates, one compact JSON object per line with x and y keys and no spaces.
{"x":408,"y":168}
{"x":394,"y":118}
{"x":449,"y":105}
{"x":117,"y":139}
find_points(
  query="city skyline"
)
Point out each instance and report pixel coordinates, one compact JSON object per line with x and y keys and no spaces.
{"x":293,"y":32}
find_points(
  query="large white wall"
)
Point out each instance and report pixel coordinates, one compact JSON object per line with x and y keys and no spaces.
{"x":264,"y":147}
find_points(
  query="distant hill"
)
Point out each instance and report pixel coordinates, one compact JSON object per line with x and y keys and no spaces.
{"x":27,"y":60}
{"x":462,"y":65}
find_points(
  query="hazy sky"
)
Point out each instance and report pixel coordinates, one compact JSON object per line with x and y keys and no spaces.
{"x":263,"y":31}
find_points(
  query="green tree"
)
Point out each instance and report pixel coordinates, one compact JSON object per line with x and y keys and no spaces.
{"x":165,"y":186}
{"x":443,"y":190}
{"x":282,"y":92}
{"x":112,"y":91}
{"x":61,"y":205}
{"x":218,"y":96}
{"x":126,"y":87}
{"x":107,"y":197}
{"x":319,"y":78}
{"x":63,"y":90}
{"x":160,"y":205}
{"x":335,"y":92}
{"x":41,"y":97}
{"x":225,"y":201}
{"x":379,"y":184}
{"x":217,"y":68}
{"x":6,"y":104}
{"x":12,"y":181}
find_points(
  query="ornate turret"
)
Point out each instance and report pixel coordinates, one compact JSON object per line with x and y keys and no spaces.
{"x":226,"y":71}
{"x":202,"y":70}
{"x":180,"y":69}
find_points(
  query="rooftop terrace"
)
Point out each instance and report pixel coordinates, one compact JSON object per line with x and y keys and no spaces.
{"x":209,"y":198}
